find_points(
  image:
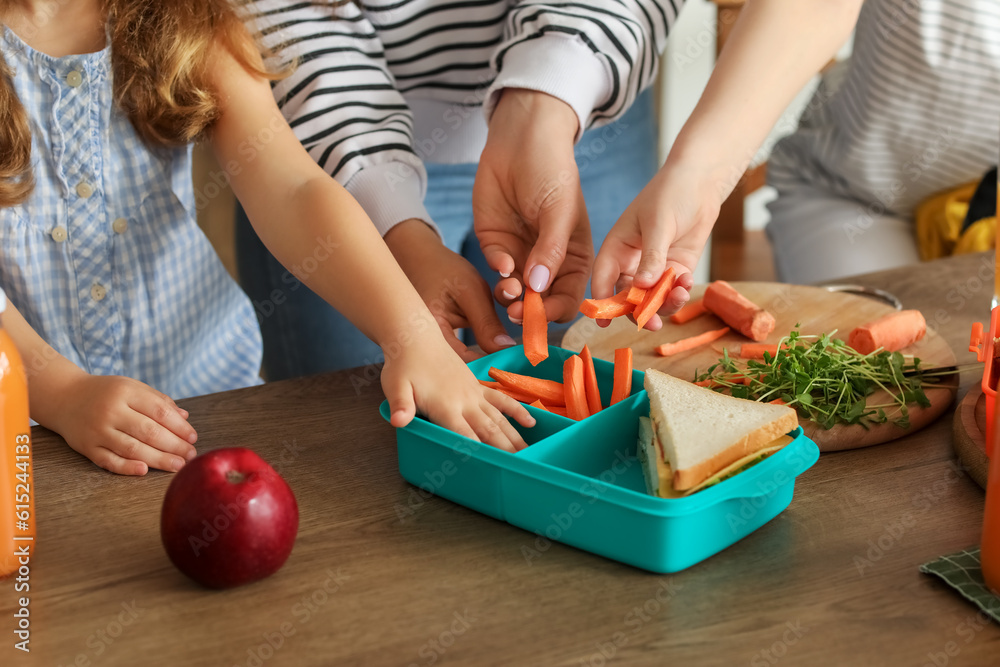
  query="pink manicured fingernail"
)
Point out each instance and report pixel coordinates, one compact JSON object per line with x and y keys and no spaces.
{"x":503,"y":340}
{"x":539,"y":278}
{"x":507,"y":295}
{"x":517,"y":322}
{"x":504,"y":274}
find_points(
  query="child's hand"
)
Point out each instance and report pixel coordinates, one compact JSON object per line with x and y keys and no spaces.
{"x":124,"y":425}
{"x":451,"y":287}
{"x":666,"y":225}
{"x":428,"y":378}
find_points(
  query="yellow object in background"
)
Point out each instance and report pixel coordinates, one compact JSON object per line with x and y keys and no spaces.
{"x":939,"y":222}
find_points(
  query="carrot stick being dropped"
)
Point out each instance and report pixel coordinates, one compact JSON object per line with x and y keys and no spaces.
{"x":516,"y":394}
{"x":892,"y":332}
{"x":738,"y":311}
{"x":550,"y":391}
{"x":685,"y":344}
{"x":636,"y":295}
{"x":622,"y":388}
{"x":607,"y":309}
{"x":654,"y":298}
{"x":573,"y":387}
{"x":590,"y":381}
{"x":691,"y":310}
{"x":536,"y":327}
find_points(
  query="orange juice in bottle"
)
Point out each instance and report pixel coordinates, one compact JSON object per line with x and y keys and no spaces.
{"x":17,"y":510}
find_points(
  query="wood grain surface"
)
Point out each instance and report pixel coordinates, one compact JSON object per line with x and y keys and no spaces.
{"x":812,"y":310}
{"x":383,"y":576}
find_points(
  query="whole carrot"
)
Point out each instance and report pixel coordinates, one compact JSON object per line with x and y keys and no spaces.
{"x":738,"y":311}
{"x":685,"y":344}
{"x":892,"y":332}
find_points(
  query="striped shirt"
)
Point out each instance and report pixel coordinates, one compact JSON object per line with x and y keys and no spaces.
{"x":105,"y":259}
{"x":917,"y":110}
{"x":383,"y":85}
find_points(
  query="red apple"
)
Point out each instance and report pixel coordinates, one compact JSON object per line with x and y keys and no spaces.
{"x":228,"y":518}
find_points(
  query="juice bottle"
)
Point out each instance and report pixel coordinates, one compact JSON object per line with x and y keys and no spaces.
{"x":17,"y":516}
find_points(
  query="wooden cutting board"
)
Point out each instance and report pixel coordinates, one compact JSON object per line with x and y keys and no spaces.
{"x":812,"y":310}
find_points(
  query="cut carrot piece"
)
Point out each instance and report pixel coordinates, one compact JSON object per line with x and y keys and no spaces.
{"x":516,"y":394}
{"x":654,"y":298}
{"x":590,"y":381}
{"x":536,"y":328}
{"x":573,"y":387}
{"x":538,"y":404}
{"x":550,"y":391}
{"x":757,"y":350}
{"x":778,"y":401}
{"x":557,"y":410}
{"x":636,"y":295}
{"x":707,"y":382}
{"x":738,"y":311}
{"x":691,"y":310}
{"x":685,"y":344}
{"x":623,"y":375}
{"x":607,"y":309}
{"x":891,"y":333}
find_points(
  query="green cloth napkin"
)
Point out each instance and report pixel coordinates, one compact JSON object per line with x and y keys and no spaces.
{"x":963,"y":572}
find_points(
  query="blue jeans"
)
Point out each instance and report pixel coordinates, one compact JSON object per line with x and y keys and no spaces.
{"x":304,"y":335}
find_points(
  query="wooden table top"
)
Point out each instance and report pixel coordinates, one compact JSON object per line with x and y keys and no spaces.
{"x":380,"y":575}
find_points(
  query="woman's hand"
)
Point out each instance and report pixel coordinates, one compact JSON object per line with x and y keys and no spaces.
{"x":530,"y":217}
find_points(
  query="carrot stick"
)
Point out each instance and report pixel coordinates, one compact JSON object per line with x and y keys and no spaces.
{"x":622,"y":388}
{"x":535,"y":334}
{"x":892,"y":332}
{"x":590,"y":381}
{"x":654,"y":298}
{"x":691,"y":310}
{"x":557,"y":410}
{"x":538,"y":404}
{"x":574,"y":389}
{"x":549,"y":391}
{"x":738,"y":311}
{"x":685,"y":344}
{"x":516,"y":394}
{"x":757,"y":350}
{"x":607,"y":309}
{"x":636,"y":295}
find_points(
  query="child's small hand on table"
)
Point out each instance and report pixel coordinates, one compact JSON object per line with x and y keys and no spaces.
{"x":429,"y":378}
{"x":124,"y":425}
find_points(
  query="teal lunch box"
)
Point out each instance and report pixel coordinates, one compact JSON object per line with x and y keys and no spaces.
{"x":580,"y":483}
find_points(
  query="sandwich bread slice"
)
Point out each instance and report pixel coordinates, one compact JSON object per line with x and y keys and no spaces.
{"x":695,"y":437}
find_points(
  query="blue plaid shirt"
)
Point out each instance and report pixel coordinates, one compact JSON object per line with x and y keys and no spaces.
{"x":105,"y":259}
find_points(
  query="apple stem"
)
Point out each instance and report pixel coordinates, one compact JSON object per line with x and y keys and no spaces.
{"x":235,"y":477}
